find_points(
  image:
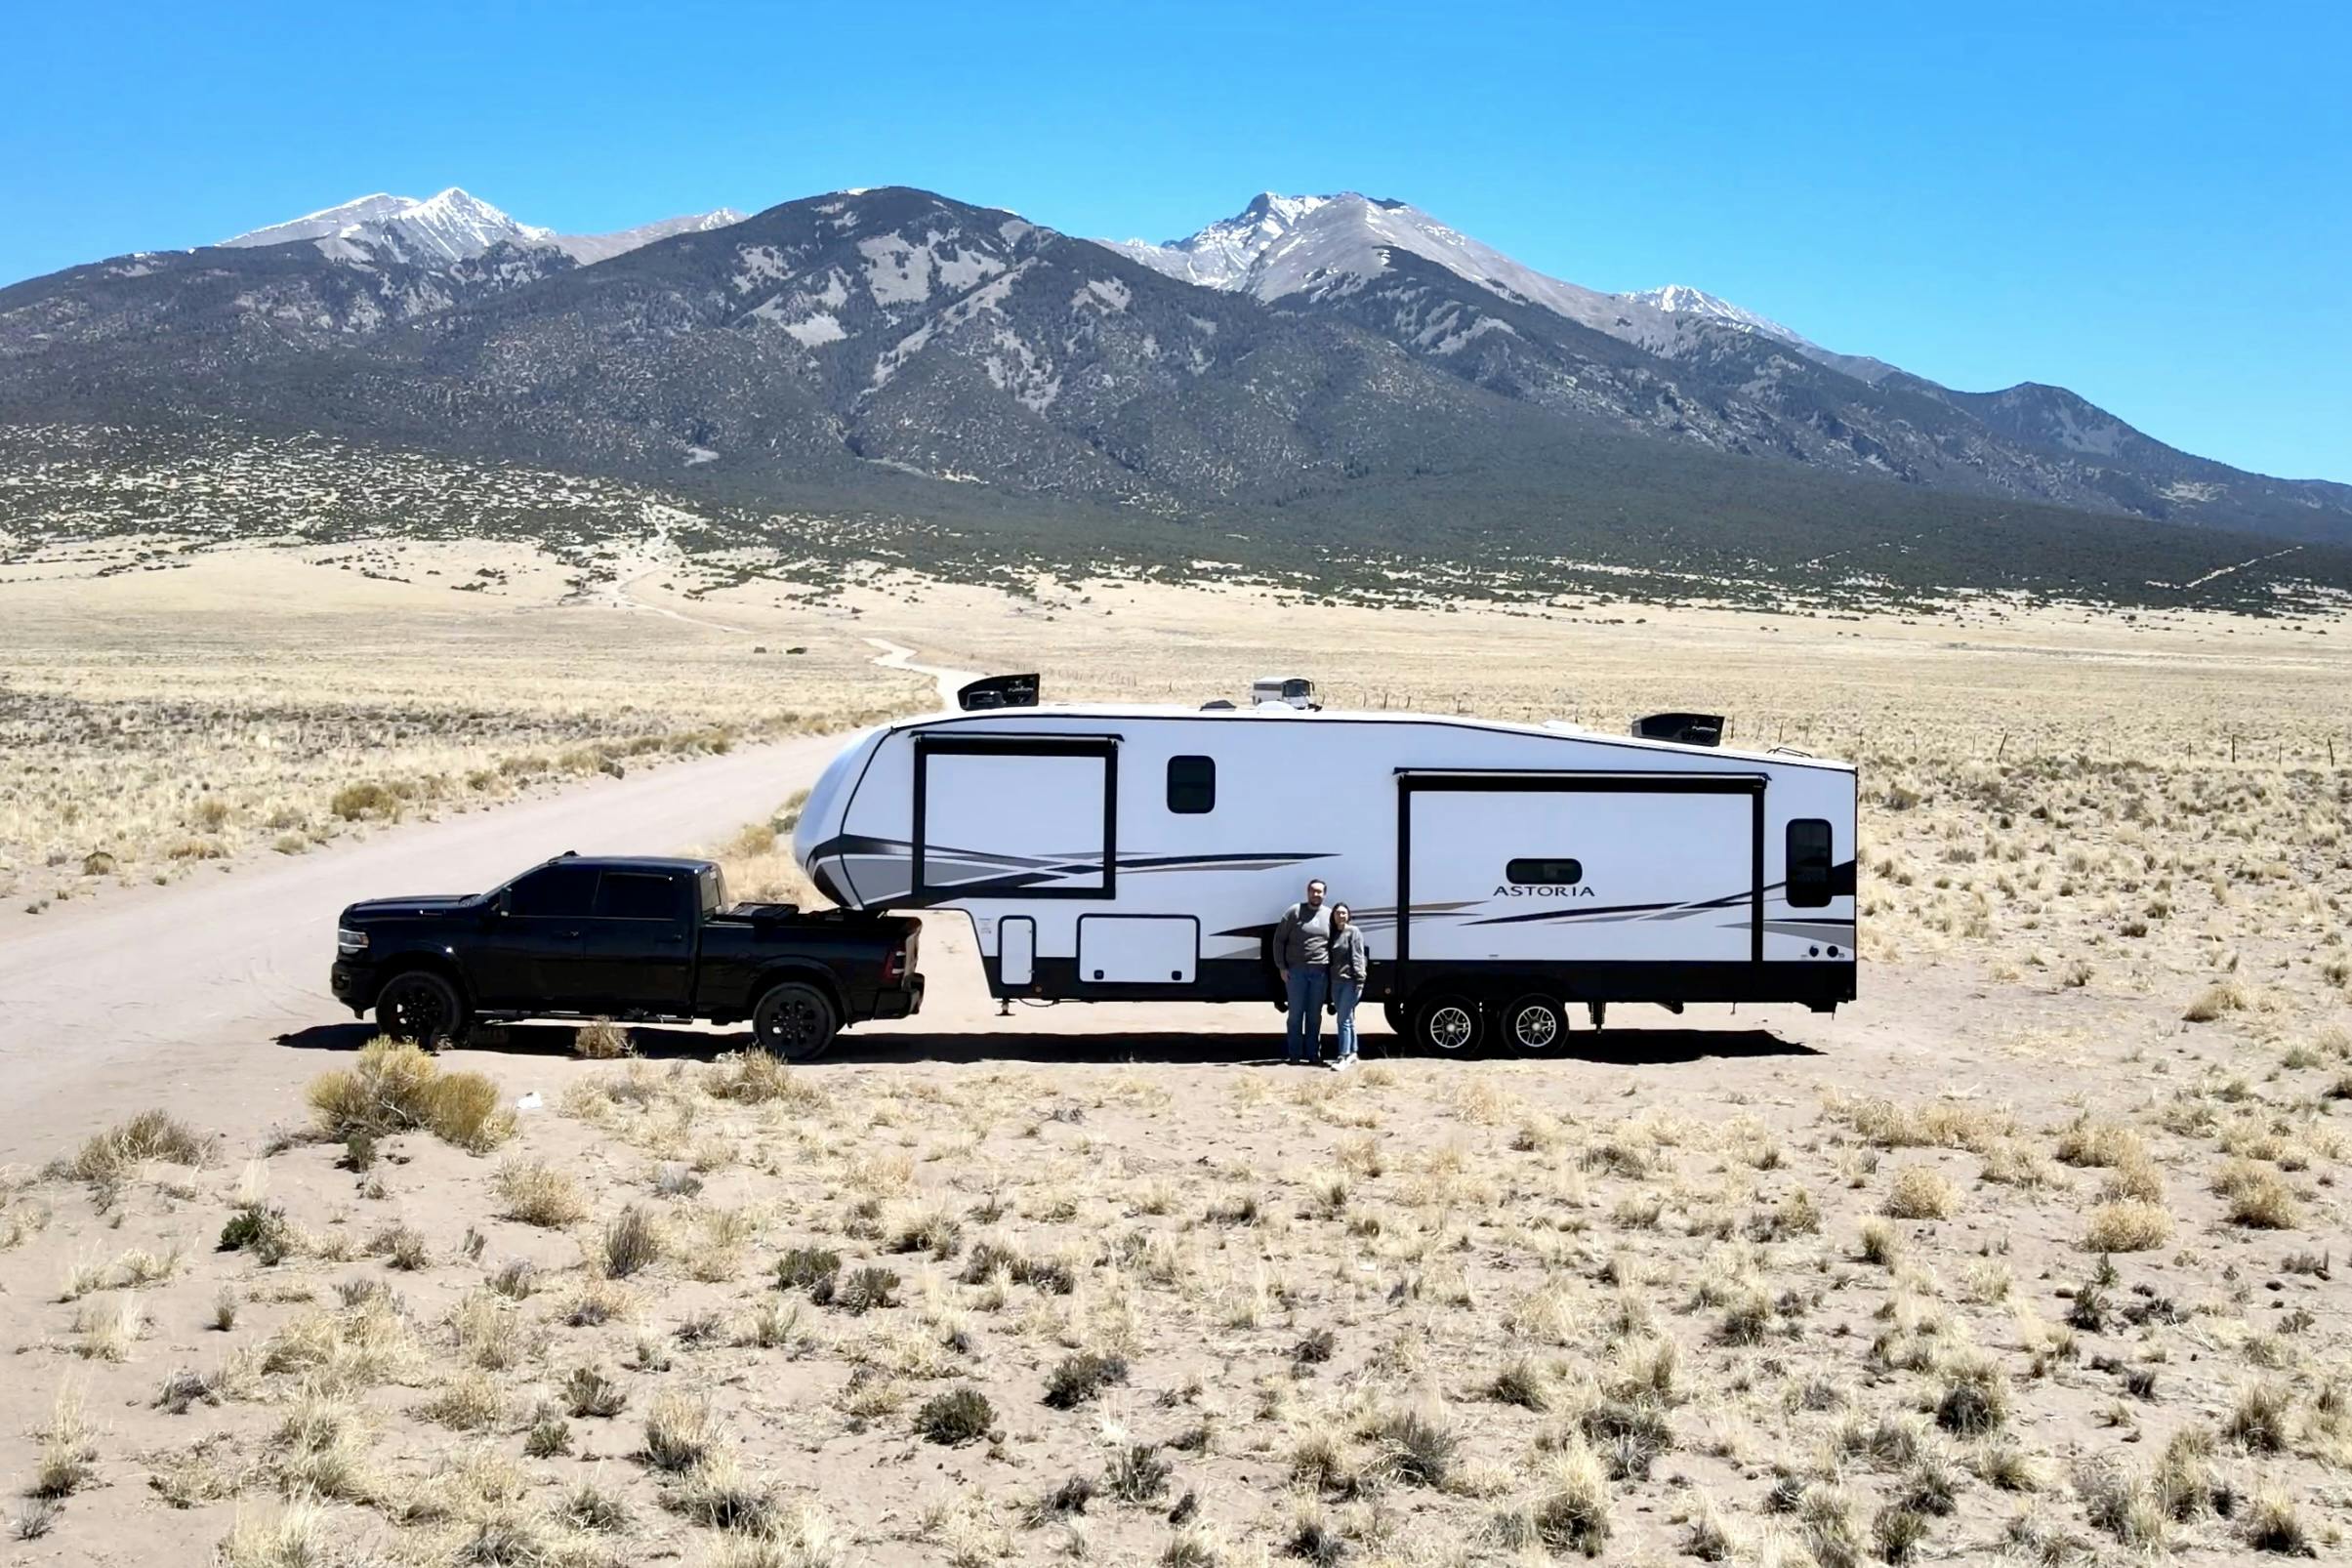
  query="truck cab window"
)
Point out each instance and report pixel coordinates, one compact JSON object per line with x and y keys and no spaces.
{"x":1191,"y":785}
{"x":1809,"y":863}
{"x":638,"y":896}
{"x":553,"y":892}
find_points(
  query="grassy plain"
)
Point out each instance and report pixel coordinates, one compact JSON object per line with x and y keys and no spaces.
{"x":2028,"y":1257}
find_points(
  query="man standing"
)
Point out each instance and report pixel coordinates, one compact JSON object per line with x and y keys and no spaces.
{"x":1303,"y":953}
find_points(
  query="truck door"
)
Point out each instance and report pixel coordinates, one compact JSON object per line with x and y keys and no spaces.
{"x":530,"y":956}
{"x":638,"y":953}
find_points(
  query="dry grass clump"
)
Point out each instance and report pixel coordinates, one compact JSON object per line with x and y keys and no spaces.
{"x":1921,"y":1192}
{"x":292,"y":1539}
{"x":602,"y":1040}
{"x":2128,"y":1226}
{"x":631,"y":1243}
{"x":2258,"y":1196}
{"x":756,"y":1078}
{"x":1940,"y":1124}
{"x":2222,"y":996}
{"x":69,"y":1449}
{"x":536,"y":1193}
{"x":2090,"y":1142}
{"x":1570,"y":1509}
{"x":109,"y":1157}
{"x":680,"y":1430}
{"x":394,"y":1086}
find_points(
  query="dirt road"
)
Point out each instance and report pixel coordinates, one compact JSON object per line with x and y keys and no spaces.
{"x":171,"y":998}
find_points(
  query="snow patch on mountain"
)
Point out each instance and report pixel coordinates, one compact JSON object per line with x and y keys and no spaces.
{"x":452,"y":226}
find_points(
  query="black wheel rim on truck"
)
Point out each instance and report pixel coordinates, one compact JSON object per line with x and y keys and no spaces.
{"x":423,"y":1007}
{"x":792,"y":1023}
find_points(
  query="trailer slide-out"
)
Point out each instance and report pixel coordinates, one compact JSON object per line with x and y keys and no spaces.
{"x":1504,"y":874}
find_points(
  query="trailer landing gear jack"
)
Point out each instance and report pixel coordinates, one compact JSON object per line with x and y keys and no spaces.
{"x":1599,"y":1010}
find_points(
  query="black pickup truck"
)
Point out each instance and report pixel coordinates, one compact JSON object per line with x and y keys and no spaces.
{"x":642,"y":941}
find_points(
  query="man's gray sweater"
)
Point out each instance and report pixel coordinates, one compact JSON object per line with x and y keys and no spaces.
{"x":1302,"y":940}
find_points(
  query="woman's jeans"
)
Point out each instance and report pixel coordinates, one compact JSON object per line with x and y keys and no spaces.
{"x":1305,"y":1039}
{"x":1345,"y":995}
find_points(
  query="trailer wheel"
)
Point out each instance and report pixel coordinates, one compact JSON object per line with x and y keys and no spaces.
{"x":1535,"y":1024}
{"x":793,"y":1021}
{"x":423,"y":1007}
{"x":1449,"y":1024}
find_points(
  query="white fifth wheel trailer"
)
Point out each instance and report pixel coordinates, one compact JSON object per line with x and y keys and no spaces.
{"x":1504,"y":874}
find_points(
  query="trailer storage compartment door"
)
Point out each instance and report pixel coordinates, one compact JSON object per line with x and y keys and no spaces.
{"x":1137,"y":949}
{"x":1028,"y":817}
{"x":1564,"y":868}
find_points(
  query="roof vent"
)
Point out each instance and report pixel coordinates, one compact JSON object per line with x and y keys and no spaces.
{"x":1684,"y":729}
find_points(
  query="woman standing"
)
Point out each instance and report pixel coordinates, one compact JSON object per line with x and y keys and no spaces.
{"x":1350,"y":965}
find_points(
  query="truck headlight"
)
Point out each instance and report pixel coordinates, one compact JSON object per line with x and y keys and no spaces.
{"x":347,"y":940}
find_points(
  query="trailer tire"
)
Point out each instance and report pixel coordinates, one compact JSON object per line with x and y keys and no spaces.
{"x":794,"y":1021}
{"x":1535,"y":1025}
{"x":423,"y":1007}
{"x":1449,"y":1025}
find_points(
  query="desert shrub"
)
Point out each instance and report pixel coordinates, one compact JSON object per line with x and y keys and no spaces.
{"x":859,"y":1292}
{"x":602,"y":1040}
{"x":679,"y":1430}
{"x":539,"y":1194}
{"x":2257,"y":1421}
{"x":357,"y":801}
{"x":1079,"y":1378}
{"x":393,"y":1086}
{"x":589,"y":1393}
{"x":2272,"y":1524}
{"x":1975,"y":1396}
{"x":149,"y":1135}
{"x":958,"y":1415}
{"x":633,"y":1243}
{"x":1137,"y":1474}
{"x":2222,"y":996}
{"x":757,"y":1078}
{"x":2128,"y":1226}
{"x":2258,"y":1196}
{"x":807,"y":1268}
{"x":261,"y":1229}
{"x":1921,"y":1192}
{"x":1417,"y":1446}
{"x":1881,"y":1244}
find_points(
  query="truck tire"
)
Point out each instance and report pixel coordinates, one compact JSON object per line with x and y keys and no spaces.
{"x":1449,"y":1025}
{"x":1535,"y":1025}
{"x":423,"y":1007}
{"x":794,"y":1023}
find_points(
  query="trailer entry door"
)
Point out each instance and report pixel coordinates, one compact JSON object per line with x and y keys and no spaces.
{"x":1529,"y":869}
{"x":1030,"y":817}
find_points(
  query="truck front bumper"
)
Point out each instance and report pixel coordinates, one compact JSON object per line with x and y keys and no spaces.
{"x":900,"y":1004}
{"x":353,"y":984}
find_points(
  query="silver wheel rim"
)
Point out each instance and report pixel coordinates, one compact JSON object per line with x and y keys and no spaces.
{"x":1535,"y":1029}
{"x":1449,"y":1027}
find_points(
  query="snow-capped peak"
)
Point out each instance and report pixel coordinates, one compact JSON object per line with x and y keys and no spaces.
{"x":451,"y":226}
{"x":455,"y":226}
{"x":1680,"y":298}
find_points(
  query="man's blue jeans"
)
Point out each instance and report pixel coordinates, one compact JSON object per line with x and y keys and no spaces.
{"x":1304,"y":1041}
{"x":1345,"y":995}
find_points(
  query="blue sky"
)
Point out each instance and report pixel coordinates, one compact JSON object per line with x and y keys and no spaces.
{"x":2151,"y":204}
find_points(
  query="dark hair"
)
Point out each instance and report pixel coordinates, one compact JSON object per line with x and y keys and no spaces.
{"x":1341,"y":909}
{"x":1318,"y":882}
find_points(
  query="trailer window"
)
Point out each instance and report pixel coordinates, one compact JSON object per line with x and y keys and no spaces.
{"x":1808,"y":863}
{"x":1191,"y":785}
{"x":1543,"y":873}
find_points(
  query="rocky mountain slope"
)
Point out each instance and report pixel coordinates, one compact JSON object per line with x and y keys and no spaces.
{"x":1313,"y":364}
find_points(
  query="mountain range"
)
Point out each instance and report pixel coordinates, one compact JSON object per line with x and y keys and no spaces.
{"x":1310,"y":361}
